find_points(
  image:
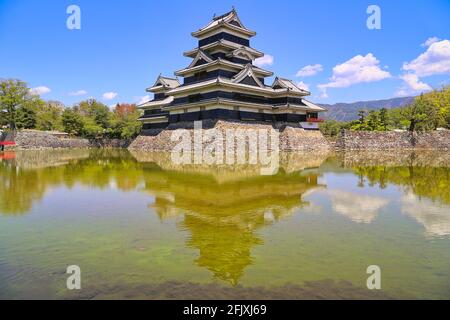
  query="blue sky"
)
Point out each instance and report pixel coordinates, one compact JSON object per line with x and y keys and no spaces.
{"x":123,"y":45}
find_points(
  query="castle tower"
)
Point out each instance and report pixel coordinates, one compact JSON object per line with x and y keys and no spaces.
{"x":222,"y":82}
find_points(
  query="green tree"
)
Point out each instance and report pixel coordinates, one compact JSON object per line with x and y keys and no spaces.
{"x":331,"y":128}
{"x":362,"y":116}
{"x":415,"y":113}
{"x":124,"y":122}
{"x":96,"y":111}
{"x":384,"y":119}
{"x":25,"y":117}
{"x":91,"y":129}
{"x":15,"y":101}
{"x":49,"y":116}
{"x":72,"y":122}
{"x":373,"y":121}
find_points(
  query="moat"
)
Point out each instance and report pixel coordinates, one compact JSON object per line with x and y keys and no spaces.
{"x":139,"y":227}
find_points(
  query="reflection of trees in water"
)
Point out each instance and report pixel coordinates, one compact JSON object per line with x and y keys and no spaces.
{"x":424,"y":176}
{"x":429,"y":182}
{"x":16,"y":196}
{"x":25,"y":179}
{"x":222,"y":209}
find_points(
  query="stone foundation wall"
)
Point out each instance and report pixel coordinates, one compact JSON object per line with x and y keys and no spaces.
{"x":370,"y":140}
{"x":34,"y":140}
{"x":291,"y":138}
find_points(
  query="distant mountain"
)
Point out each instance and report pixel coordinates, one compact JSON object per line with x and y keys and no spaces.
{"x":349,"y":111}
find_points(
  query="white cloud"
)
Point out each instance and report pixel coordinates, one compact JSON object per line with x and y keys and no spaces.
{"x":436,"y":60}
{"x":359,"y":69}
{"x":430,"y":41}
{"x":433,"y":216}
{"x":143,"y":99}
{"x":360,"y":208}
{"x":309,"y":70}
{"x":266,"y":60}
{"x":109,"y":95}
{"x":412,"y":85}
{"x":78,"y":93}
{"x":40,"y":90}
{"x":303,"y":85}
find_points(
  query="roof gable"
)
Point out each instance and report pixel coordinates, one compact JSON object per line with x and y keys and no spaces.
{"x":232,"y":18}
{"x":229,"y":19}
{"x":242,"y":53}
{"x":247,"y":76}
{"x":280,"y":83}
{"x":165,"y":83}
{"x":200,"y":58}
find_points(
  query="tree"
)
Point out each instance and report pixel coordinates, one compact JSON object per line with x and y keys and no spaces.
{"x":125,"y":123}
{"x":415,"y":113}
{"x":332,"y":128}
{"x":15,"y":101}
{"x":124,"y":109}
{"x":373,"y":121}
{"x":362,"y":116}
{"x":25,"y":117}
{"x":72,"y":122}
{"x":91,"y":129}
{"x":384,"y":118}
{"x":96,"y":111}
{"x":49,"y":116}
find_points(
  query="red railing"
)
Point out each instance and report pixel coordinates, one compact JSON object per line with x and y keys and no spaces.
{"x":7,"y":143}
{"x":314,"y":120}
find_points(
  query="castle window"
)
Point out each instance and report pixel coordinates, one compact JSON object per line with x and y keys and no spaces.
{"x":200,"y":75}
{"x":194,"y":98}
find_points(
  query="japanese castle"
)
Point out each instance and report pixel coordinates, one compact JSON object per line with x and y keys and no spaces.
{"x":222,"y":82}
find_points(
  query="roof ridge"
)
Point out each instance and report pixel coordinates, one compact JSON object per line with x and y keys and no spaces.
{"x":164,"y":77}
{"x":224,"y":15}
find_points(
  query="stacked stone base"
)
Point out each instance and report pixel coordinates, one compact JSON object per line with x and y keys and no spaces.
{"x":291,"y":138}
{"x":392,"y":140}
{"x":37,"y":140}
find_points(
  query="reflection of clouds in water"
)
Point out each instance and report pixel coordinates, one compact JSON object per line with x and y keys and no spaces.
{"x":433,"y":216}
{"x":358,"y":207}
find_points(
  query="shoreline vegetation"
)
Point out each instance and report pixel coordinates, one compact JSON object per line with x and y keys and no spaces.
{"x":428,"y":112}
{"x":91,"y":123}
{"x":21,"y":109}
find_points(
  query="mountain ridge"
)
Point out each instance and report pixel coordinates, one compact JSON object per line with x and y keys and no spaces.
{"x":349,"y":111}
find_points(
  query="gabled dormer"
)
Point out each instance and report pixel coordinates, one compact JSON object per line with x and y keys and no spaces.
{"x":201,"y":58}
{"x":281,"y":83}
{"x":247,"y":76}
{"x":163,"y":84}
{"x":241,"y":55}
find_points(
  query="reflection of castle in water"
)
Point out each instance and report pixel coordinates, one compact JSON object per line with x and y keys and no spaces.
{"x":222,"y":209}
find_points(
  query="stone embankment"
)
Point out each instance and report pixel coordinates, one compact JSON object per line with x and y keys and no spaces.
{"x":35,"y":140}
{"x":290,"y":138}
{"x":393,"y":140}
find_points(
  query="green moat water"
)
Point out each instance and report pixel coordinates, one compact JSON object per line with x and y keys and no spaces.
{"x":142,"y":228}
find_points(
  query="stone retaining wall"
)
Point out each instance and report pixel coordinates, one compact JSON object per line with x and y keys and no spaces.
{"x":291,"y":138}
{"x":34,"y":140}
{"x":371,"y":140}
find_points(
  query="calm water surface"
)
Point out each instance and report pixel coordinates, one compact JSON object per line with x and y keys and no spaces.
{"x":139,"y":227}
